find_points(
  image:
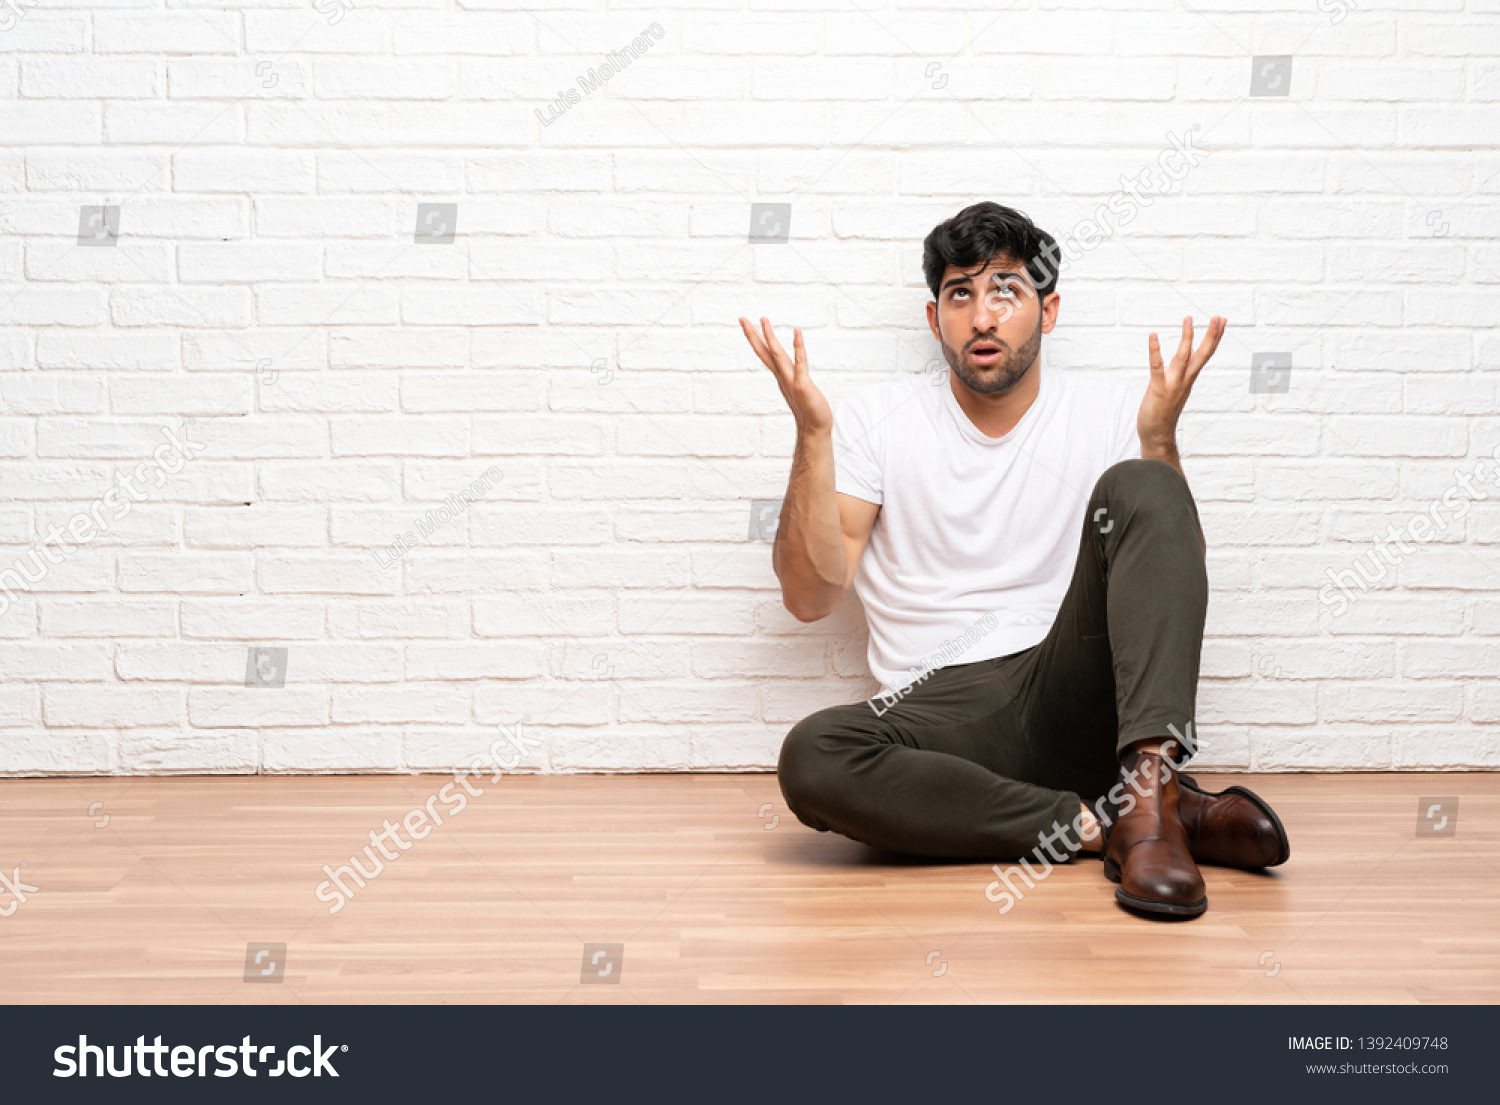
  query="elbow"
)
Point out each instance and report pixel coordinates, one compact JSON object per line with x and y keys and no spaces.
{"x":803,"y":610}
{"x":798,"y":604}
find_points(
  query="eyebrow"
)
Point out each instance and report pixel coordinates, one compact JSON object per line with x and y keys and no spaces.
{"x":969,"y":280}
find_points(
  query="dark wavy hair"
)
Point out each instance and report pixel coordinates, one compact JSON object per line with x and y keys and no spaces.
{"x":983,"y":231}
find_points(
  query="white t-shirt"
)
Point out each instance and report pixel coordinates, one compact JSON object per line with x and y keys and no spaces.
{"x":977,"y":537}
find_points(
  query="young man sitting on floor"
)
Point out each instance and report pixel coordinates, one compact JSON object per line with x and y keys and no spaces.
{"x":1035,"y":528}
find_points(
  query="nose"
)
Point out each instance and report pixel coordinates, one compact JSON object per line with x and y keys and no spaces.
{"x":985,"y":317}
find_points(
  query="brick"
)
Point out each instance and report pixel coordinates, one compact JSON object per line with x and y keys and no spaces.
{"x":273,"y":436}
{"x":247,"y":262}
{"x":396,"y":619}
{"x":621,"y":569}
{"x":166,"y":32}
{"x":1275,"y":702}
{"x":104,"y":618}
{"x":540,"y":704}
{"x":249,"y":527}
{"x":211,"y":78}
{"x":666,"y":704}
{"x":367,"y":78}
{"x":380,"y":529}
{"x":473,"y":660}
{"x":74,"y":170}
{"x":629,"y":659}
{"x":1387,"y":704}
{"x":110,"y":706}
{"x":187,"y":573}
{"x":88,"y":78}
{"x":440,"y":572}
{"x":330,"y":393}
{"x":156,"y":122}
{"x":433,"y":481}
{"x":382,"y":172}
{"x":344,"y":749}
{"x":52,"y":121}
{"x":1451,"y":659}
{"x":167,"y":752}
{"x":755,"y":659}
{"x":406,"y":436}
{"x":96,"y":350}
{"x":1396,"y":615}
{"x":1323,"y":749}
{"x":409,"y":703}
{"x":257,"y":707}
{"x":541,"y":614}
{"x":202,"y":308}
{"x":254,"y":620}
{"x":329,"y":574}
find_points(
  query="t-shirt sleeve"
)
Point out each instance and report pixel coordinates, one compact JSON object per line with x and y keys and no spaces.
{"x":859,"y":448}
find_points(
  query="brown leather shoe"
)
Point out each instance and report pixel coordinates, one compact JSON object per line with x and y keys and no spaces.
{"x":1233,"y":828}
{"x":1146,"y":849}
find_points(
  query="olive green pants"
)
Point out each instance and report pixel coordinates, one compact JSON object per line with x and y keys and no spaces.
{"x":979,"y":759}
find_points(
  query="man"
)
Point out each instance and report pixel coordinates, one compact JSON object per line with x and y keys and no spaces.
{"x":1031,"y":566}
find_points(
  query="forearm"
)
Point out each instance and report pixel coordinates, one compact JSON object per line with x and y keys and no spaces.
{"x":809,"y":555}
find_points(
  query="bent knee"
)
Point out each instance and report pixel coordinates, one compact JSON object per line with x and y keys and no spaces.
{"x":1151,"y":477}
{"x":802,"y":765}
{"x":1146,"y":490}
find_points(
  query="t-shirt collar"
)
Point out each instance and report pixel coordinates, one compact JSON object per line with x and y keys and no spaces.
{"x":973,"y":432}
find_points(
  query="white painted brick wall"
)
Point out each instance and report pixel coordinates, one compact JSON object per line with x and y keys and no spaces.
{"x":579,"y":336}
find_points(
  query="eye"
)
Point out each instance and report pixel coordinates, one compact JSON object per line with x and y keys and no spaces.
{"x":1004,"y":293}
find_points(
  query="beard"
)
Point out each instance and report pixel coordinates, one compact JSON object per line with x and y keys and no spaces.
{"x":1004,"y":374}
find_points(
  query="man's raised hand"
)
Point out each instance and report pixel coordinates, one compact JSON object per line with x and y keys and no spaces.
{"x":1167,"y":393}
{"x":807,"y":404}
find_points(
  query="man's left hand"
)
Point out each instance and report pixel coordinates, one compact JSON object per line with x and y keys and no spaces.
{"x":1167,"y":394}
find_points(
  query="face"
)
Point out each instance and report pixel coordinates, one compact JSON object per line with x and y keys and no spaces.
{"x":990,"y":323}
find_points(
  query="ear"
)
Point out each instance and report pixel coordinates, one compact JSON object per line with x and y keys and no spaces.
{"x":1050,"y":306}
{"x":932,"y":320}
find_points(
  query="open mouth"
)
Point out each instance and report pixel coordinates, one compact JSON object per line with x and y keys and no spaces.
{"x":984,"y":353}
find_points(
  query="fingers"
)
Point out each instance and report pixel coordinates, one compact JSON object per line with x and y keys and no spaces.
{"x":1154,"y":350}
{"x":1185,"y":346}
{"x":773,"y":343}
{"x":1200,"y":358}
{"x":755,"y":342}
{"x":769,"y":351}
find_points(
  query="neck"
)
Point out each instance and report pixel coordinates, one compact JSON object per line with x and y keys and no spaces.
{"x":996,"y":415}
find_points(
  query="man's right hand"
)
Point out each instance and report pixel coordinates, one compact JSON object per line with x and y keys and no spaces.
{"x":808,"y":406}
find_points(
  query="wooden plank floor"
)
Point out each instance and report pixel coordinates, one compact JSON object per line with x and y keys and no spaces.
{"x":711,"y":902}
